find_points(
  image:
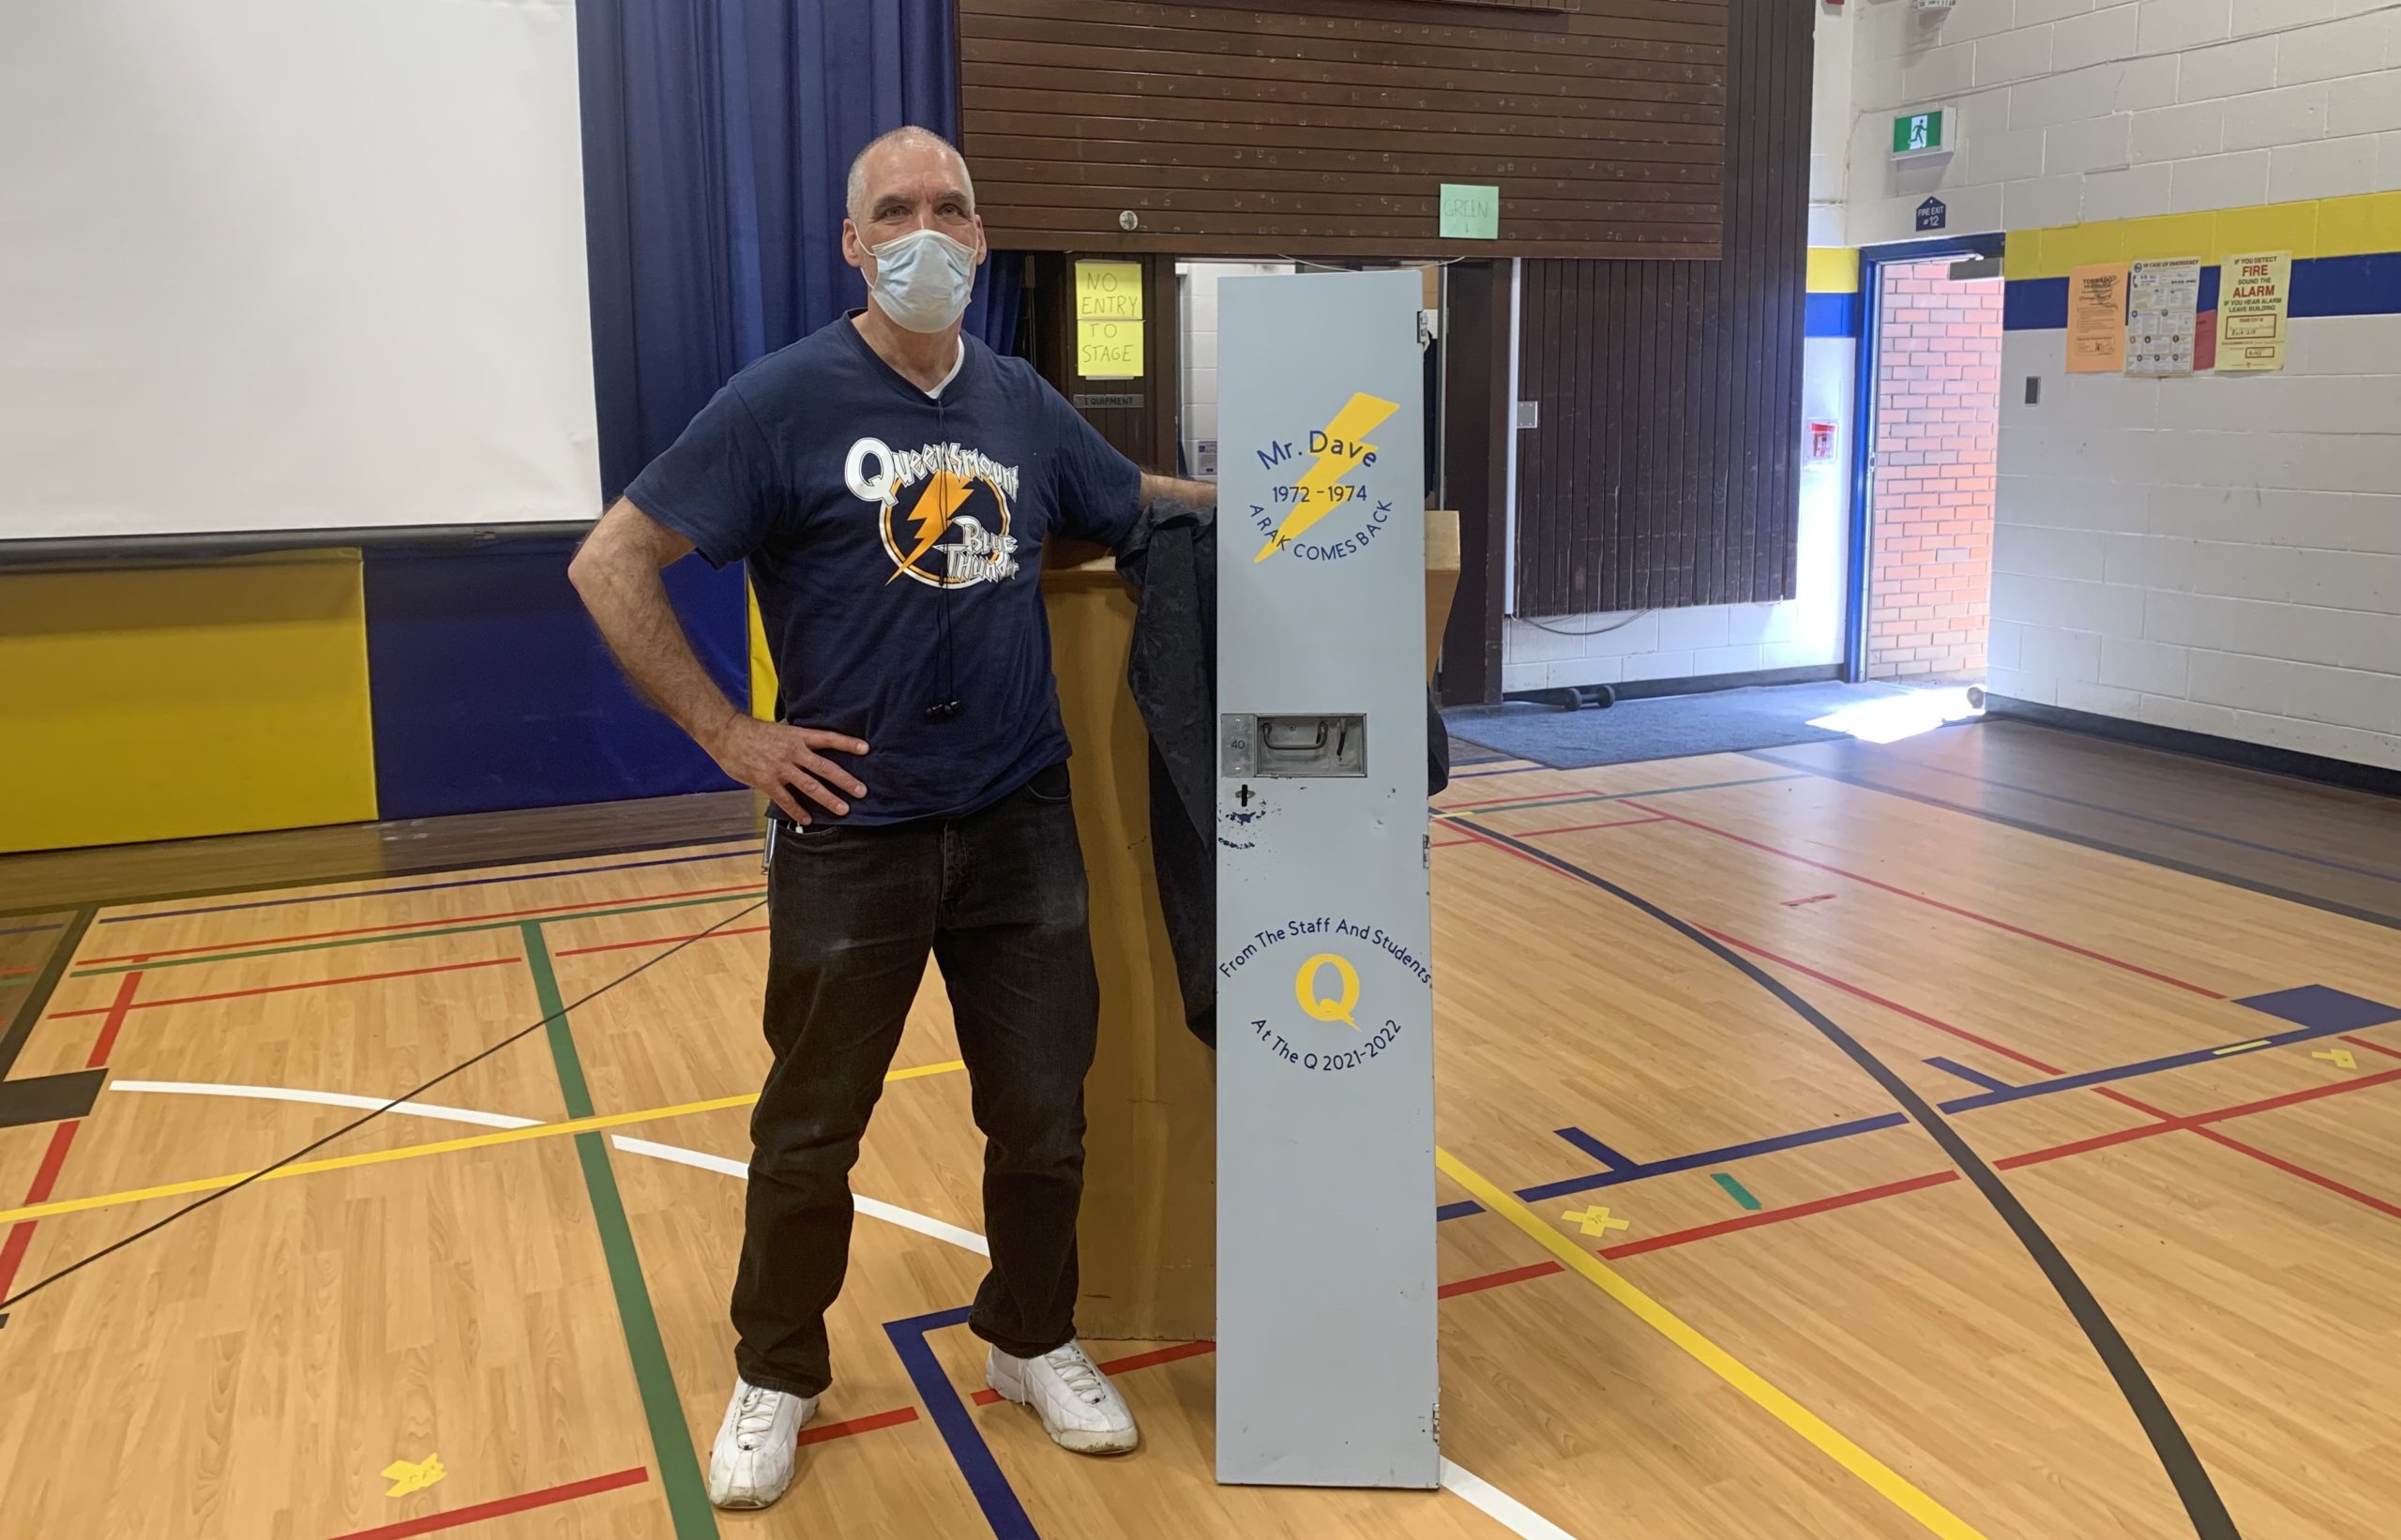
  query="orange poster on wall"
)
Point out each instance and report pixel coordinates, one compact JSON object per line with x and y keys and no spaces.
{"x":2096,"y":319}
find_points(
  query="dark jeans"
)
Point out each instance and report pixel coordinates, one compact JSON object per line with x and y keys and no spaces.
{"x":998,"y":899}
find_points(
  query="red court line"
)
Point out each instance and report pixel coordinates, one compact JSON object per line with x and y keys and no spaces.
{"x":1583,"y":828}
{"x":1538,"y":799}
{"x":502,"y":1506}
{"x":2195,"y":1124}
{"x":280,"y":989}
{"x":2289,"y":1168}
{"x":1937,"y":903}
{"x":402,"y":928}
{"x":114,"y":1021}
{"x":856,"y":1425}
{"x":21,"y":1234}
{"x":1777,"y":1216}
{"x":1497,"y":1281}
{"x":657,"y":941}
{"x":1920,"y":1016}
{"x":2372,"y":1048}
{"x":2198,"y":1123}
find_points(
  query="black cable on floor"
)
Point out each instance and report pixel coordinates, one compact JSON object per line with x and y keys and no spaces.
{"x":153,"y":1227}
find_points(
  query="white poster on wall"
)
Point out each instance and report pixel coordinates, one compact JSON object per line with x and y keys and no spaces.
{"x":2164,"y":317}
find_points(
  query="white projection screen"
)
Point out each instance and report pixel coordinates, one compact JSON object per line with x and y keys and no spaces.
{"x":291,"y":265}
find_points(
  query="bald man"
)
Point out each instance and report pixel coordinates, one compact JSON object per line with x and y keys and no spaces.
{"x":890,"y":484}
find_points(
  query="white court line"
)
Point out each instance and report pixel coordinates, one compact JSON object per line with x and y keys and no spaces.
{"x":326,"y":1098}
{"x":874,"y":1208}
{"x":1494,"y":1503}
{"x":1499,"y":1505}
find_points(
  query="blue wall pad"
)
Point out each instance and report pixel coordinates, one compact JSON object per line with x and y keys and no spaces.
{"x":492,"y":690}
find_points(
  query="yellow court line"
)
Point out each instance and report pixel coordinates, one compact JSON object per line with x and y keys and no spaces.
{"x":409,"y":1152}
{"x":1895,"y":1487}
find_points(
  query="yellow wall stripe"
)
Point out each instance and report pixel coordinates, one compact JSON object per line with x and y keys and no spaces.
{"x":411,"y":1152}
{"x":1834,"y":270}
{"x":1791,"y":1413}
{"x":2326,"y":227}
{"x":157,"y":702}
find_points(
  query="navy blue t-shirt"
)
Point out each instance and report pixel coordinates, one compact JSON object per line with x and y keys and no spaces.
{"x":874,"y":518}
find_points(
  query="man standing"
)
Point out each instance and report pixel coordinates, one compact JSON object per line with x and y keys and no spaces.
{"x":890,"y":484}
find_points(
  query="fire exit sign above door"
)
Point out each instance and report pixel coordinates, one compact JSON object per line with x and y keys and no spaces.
{"x":1931,"y":132}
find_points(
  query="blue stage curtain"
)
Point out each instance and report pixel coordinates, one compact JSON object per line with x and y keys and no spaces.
{"x":717,"y":135}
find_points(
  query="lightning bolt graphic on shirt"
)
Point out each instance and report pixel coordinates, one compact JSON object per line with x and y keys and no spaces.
{"x":944,"y":496}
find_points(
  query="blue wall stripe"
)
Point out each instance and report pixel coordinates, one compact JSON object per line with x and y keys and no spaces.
{"x":2327,"y":286}
{"x":1833,"y":315}
{"x":2322,"y":287}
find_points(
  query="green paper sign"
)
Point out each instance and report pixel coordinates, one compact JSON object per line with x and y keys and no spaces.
{"x":1470,"y":212}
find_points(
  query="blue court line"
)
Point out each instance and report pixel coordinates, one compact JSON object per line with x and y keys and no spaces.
{"x":1712,"y":1157}
{"x":29,"y":929}
{"x":748,"y":845}
{"x":1973,"y":1077}
{"x":950,"y":1417}
{"x":1487,"y":774}
{"x":2149,"y":1066}
{"x":1621,"y":1175}
{"x":1594,"y":1148}
{"x":2328,"y":862}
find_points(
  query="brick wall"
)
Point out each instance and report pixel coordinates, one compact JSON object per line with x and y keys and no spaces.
{"x":1936,"y":438}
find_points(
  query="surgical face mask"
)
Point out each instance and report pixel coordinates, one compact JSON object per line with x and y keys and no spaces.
{"x":923,"y":279}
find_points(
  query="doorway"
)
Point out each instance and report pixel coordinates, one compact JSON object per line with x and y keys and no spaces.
{"x":1933,"y":369}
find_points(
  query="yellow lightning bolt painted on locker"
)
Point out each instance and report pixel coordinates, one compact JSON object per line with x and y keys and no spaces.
{"x":944,"y":496}
{"x":1349,"y":428}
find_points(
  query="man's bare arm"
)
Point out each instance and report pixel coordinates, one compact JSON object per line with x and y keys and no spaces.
{"x":1202,"y":494}
{"x":616,"y":572}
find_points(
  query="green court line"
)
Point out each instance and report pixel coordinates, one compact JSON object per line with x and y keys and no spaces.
{"x":414,"y":935}
{"x":670,"y":1438}
{"x":1735,"y":1189}
{"x":1570,"y":801}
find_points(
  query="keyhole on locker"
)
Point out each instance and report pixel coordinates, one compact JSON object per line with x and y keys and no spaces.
{"x":1242,"y":796}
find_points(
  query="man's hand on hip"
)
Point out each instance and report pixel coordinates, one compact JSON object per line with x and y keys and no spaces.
{"x":786,"y":764}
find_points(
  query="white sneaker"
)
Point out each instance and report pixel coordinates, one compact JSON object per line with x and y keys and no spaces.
{"x":751,"y":1463}
{"x":1081,"y":1409}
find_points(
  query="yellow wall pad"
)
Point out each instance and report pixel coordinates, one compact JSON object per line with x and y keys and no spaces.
{"x":762,"y":661}
{"x":1791,"y":1413}
{"x":1834,"y":270}
{"x":160,"y":702}
{"x":2363,"y":225}
{"x":411,"y":1152}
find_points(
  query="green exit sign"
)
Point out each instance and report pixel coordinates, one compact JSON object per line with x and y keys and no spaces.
{"x":1921,"y":133}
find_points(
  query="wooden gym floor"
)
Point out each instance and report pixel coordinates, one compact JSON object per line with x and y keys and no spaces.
{"x":1706,"y":1276}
